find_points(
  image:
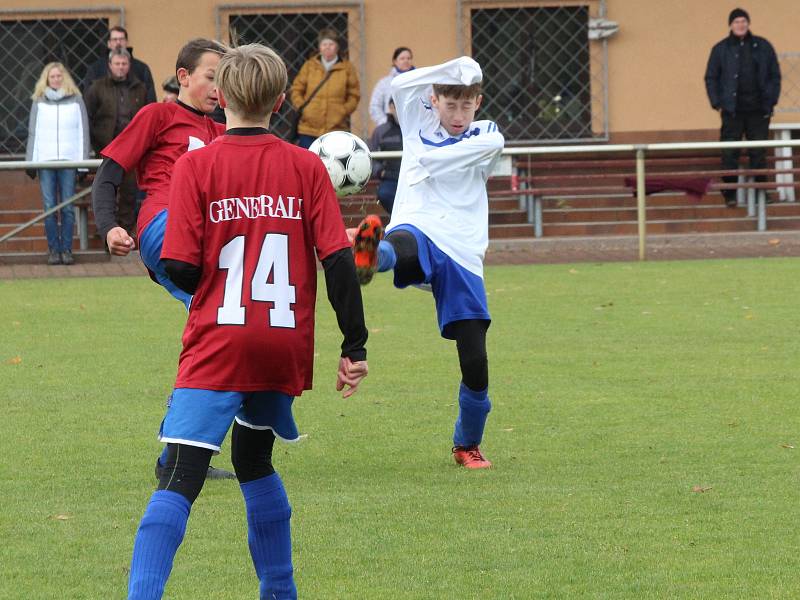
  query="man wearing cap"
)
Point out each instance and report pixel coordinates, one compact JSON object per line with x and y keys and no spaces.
{"x":743,"y":81}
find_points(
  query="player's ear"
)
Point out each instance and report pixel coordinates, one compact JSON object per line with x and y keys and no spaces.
{"x":182,"y":75}
{"x":221,"y":99}
{"x":279,"y":103}
{"x":478,"y":101}
{"x":434,"y":100}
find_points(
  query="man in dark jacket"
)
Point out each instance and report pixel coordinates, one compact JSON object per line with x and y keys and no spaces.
{"x":118,"y":39}
{"x":111,"y":102}
{"x":743,"y":81}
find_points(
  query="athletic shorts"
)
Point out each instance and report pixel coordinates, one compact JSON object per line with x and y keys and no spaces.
{"x":459,"y":293}
{"x":150,"y":241}
{"x":202,"y":417}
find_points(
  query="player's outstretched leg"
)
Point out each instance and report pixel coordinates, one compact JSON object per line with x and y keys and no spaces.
{"x":268,"y":512}
{"x":473,"y":393}
{"x":366,"y":241}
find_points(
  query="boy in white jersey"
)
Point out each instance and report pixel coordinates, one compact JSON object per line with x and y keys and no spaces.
{"x":439,"y":228}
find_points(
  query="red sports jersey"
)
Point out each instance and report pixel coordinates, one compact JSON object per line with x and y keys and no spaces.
{"x":157,"y":136}
{"x":251,"y":211}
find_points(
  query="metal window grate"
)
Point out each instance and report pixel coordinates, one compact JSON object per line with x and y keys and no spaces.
{"x":790,"y":82}
{"x":544,"y":79}
{"x":292,"y":33}
{"x":31,"y":40}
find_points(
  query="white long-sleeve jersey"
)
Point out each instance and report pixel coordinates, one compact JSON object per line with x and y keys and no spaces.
{"x":442,"y":185}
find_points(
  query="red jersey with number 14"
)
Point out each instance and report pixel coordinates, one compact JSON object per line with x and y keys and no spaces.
{"x":254,"y":213}
{"x":157,"y":136}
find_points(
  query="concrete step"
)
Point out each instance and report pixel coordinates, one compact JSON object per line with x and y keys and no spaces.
{"x":38,"y":243}
{"x":508,"y":217}
{"x":506,"y":231}
{"x":653,"y":227}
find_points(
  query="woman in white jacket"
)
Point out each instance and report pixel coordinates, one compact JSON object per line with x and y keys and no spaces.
{"x":402,"y":61}
{"x":58,"y":130}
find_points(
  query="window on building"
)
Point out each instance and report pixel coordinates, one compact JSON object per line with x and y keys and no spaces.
{"x":28,"y":44}
{"x":541,"y":80}
{"x":293,"y":35}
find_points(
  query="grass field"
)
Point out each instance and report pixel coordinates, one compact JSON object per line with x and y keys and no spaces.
{"x":644,"y":434}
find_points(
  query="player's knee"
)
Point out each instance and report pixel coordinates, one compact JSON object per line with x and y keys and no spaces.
{"x":475,"y":370}
{"x":251,"y":453}
{"x":184,"y":470}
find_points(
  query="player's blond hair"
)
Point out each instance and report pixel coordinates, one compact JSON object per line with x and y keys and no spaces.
{"x":252,"y":78}
{"x":68,"y":84}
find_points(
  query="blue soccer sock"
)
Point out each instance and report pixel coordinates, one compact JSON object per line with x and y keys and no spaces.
{"x":473,"y":408}
{"x":269,"y":536}
{"x":160,"y":533}
{"x":387,"y":257}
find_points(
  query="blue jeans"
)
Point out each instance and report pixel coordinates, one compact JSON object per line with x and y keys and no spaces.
{"x":57,"y":185}
{"x":387,"y":189}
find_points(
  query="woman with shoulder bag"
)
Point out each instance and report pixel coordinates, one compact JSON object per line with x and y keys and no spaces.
{"x":325,"y":92}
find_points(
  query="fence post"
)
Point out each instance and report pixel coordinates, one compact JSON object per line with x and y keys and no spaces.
{"x":640,"y":202}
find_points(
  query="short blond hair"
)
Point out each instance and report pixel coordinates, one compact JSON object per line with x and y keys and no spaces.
{"x":68,"y":84}
{"x":252,"y":78}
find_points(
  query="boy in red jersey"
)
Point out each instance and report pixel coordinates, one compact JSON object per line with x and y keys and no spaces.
{"x":249,"y":215}
{"x":158,"y":135}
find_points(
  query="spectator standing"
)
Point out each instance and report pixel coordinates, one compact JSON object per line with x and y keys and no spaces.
{"x":118,"y":39}
{"x":111,"y":103}
{"x":402,"y":61}
{"x":326,"y":91}
{"x":58,"y":130}
{"x":387,"y":137}
{"x":743,"y":81}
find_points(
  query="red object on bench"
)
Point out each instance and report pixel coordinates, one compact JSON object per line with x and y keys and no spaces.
{"x":693,"y":186}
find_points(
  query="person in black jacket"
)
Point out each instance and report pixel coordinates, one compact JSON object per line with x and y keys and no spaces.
{"x":118,"y":39}
{"x":387,"y":137}
{"x":743,"y":81}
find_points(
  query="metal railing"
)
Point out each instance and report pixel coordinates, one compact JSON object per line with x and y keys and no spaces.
{"x":83,"y":216}
{"x":527,"y":197}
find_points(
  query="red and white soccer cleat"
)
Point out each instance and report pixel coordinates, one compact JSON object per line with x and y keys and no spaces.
{"x":471,"y":458}
{"x":368,"y":235}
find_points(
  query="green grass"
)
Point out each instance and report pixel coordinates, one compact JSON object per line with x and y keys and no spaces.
{"x":617,"y":389}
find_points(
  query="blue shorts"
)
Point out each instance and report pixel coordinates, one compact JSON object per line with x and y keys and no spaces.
{"x":459,"y":293}
{"x":202,"y":417}
{"x":150,"y":242}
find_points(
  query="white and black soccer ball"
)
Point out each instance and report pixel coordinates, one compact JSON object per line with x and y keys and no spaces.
{"x":347,"y":159}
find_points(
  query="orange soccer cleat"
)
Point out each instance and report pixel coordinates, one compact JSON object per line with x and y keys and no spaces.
{"x":368,"y":235}
{"x":470,"y":457}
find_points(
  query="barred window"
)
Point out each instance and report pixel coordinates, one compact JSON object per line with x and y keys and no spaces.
{"x":29,"y":42}
{"x":292,"y":33}
{"x":542,"y":80}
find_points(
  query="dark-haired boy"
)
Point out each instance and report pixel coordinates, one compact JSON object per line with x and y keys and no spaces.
{"x":158,"y":135}
{"x":439,"y":227}
{"x":249,"y":215}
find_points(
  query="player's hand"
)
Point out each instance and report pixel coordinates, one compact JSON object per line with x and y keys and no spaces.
{"x":351,"y":234}
{"x":350,"y":375}
{"x":119,"y":242}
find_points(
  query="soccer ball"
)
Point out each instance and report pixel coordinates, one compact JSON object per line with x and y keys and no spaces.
{"x":347,"y":159}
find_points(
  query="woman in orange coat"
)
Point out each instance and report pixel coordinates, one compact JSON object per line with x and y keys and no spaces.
{"x":330,"y":108}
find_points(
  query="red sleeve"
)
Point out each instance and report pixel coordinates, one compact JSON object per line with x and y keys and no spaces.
{"x":183,"y":238}
{"x":327,"y":225}
{"x":128,"y":148}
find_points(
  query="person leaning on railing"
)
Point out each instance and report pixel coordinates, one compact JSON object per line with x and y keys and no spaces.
{"x":58,"y":130}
